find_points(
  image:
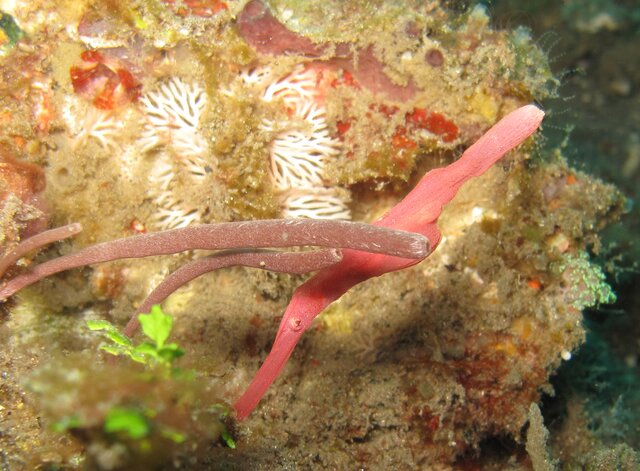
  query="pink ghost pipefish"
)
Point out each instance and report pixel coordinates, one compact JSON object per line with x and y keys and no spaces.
{"x":417,"y":212}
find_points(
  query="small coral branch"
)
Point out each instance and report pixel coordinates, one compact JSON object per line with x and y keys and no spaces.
{"x":174,"y":112}
{"x":417,"y":212}
{"x":302,"y":145}
{"x":36,"y":242}
{"x":317,"y":203}
{"x":285,"y":262}
{"x":233,"y":235}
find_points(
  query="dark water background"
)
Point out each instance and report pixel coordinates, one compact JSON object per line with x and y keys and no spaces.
{"x":594,"y":47}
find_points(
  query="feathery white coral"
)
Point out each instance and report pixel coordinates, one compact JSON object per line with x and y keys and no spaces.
{"x":92,"y":123}
{"x":197,"y":167}
{"x":302,"y":145}
{"x":175,"y":216}
{"x":173,"y":114}
{"x":298,"y":156}
{"x":162,"y":173}
{"x":103,"y":127}
{"x":256,"y":77}
{"x":317,"y":203}
{"x":170,"y":213}
{"x":296,"y":90}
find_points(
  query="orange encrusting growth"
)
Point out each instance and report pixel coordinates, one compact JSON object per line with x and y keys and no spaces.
{"x":417,"y":212}
{"x":104,"y":81}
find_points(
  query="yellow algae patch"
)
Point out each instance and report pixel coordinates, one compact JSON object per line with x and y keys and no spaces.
{"x":483,"y":104}
{"x":179,"y":300}
{"x":338,"y":319}
{"x":523,"y":327}
{"x":507,"y":347}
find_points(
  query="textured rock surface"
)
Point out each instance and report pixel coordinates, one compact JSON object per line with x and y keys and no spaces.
{"x":420,"y":368}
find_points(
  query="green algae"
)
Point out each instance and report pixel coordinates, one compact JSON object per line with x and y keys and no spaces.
{"x":137,"y":418}
{"x":531,"y":73}
{"x":10,"y":28}
{"x":586,"y":282}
